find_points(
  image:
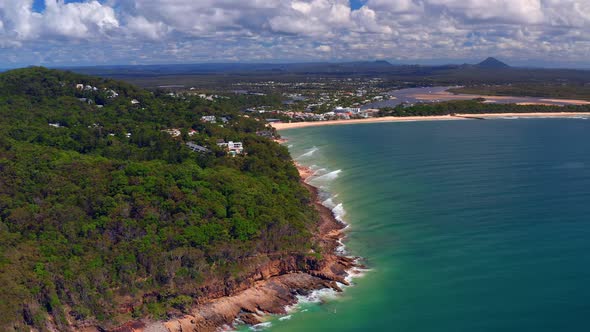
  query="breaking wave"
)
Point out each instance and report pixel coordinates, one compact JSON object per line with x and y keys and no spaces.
{"x":308,"y":153}
{"x":339,"y":212}
{"x":327,"y":177}
{"x":261,"y":326}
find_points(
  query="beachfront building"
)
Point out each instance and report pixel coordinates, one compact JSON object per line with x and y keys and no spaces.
{"x":369,"y":113}
{"x":346,"y":110}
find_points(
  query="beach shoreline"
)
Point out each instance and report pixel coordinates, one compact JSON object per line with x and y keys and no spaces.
{"x":456,"y":117}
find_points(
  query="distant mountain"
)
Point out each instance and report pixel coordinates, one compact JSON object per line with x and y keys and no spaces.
{"x":492,"y":63}
{"x":244,"y":68}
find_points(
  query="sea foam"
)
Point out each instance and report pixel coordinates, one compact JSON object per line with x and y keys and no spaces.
{"x":261,"y":326}
{"x":308,"y":153}
{"x":339,"y":212}
{"x":326,"y":178}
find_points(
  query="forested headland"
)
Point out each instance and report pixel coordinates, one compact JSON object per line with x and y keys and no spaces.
{"x":105,"y":216}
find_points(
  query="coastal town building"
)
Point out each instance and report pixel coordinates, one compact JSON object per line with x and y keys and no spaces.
{"x":349,"y":110}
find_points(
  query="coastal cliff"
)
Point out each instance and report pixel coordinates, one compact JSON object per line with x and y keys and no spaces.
{"x":273,"y":284}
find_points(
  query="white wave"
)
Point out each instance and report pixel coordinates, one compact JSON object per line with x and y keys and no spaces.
{"x":317,"y":296}
{"x":261,"y":326}
{"x":329,"y":203}
{"x":341,"y":249}
{"x":319,"y":171}
{"x":328,"y":176}
{"x":355,"y":273}
{"x":285,"y":318}
{"x":289,"y":146}
{"x":339,"y":212}
{"x":308,"y":153}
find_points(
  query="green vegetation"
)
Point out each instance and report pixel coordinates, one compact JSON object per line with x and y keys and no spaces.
{"x":104,"y":217}
{"x":564,"y":91}
{"x":476,"y":106}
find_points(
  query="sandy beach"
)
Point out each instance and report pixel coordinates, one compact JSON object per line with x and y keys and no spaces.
{"x":280,"y":126}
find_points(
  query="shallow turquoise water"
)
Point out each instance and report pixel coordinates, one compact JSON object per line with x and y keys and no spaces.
{"x":466,"y":225}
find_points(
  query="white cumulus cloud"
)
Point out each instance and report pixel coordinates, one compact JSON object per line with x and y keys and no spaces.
{"x":205,"y":30}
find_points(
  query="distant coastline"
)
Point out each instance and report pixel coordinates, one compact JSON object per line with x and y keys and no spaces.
{"x":292,"y":125}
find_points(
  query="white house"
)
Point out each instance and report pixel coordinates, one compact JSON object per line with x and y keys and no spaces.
{"x":209,"y":118}
{"x":235,"y":148}
{"x":112,"y":94}
{"x":174,"y":132}
{"x":347,"y":110}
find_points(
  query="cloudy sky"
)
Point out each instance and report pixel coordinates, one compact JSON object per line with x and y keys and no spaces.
{"x":522,"y":32}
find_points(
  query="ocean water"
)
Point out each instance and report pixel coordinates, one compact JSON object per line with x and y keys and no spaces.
{"x":465,"y":225}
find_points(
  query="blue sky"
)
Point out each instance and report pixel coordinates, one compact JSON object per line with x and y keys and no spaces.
{"x":89,"y":32}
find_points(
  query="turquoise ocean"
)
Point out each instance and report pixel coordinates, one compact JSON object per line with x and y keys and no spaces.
{"x":465,"y":225}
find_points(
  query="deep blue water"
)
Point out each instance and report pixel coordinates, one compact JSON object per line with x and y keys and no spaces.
{"x":466,"y":225}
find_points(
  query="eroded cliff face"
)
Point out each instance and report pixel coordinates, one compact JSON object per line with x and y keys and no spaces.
{"x":267,"y":290}
{"x":282,"y":281}
{"x":272,"y":284}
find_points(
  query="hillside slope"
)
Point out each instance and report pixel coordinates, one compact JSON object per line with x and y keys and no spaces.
{"x":105,"y":217}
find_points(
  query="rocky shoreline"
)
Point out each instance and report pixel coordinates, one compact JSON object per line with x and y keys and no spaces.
{"x":270,"y":288}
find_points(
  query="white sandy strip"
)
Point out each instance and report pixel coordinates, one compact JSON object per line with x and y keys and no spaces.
{"x":293,"y":125}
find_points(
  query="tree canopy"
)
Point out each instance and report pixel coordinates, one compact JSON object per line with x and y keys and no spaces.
{"x":100,"y":207}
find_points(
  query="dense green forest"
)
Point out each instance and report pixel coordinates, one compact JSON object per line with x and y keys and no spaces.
{"x":99,"y":206}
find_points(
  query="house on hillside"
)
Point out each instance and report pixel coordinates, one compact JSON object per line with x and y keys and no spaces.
{"x":174,"y":132}
{"x":209,"y":119}
{"x":112,"y":94}
{"x":197,"y":148}
{"x":235,"y":148}
{"x":265,"y":133}
{"x":232,"y":148}
{"x":135,"y":102}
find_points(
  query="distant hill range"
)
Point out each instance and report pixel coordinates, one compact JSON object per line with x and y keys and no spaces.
{"x":489,"y":71}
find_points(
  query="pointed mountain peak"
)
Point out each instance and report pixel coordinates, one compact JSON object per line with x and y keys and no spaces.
{"x":492,"y":63}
